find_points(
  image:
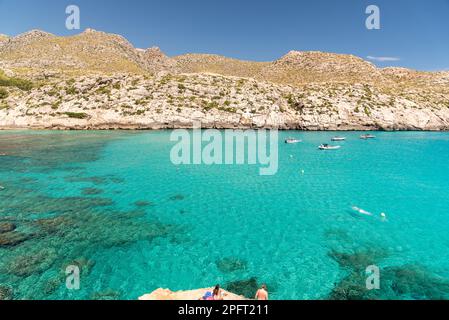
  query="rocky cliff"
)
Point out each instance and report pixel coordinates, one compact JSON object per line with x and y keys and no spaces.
{"x":96,"y":80}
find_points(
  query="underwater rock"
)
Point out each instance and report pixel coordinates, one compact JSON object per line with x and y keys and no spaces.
{"x":116,"y":180}
{"x":52,"y":285}
{"x":6,"y":293}
{"x":85,"y":265}
{"x":143,"y":203}
{"x":91,"y":191}
{"x":28,"y":180}
{"x":246,"y":288}
{"x":353,"y":287}
{"x":32,"y":263}
{"x":55,"y":225}
{"x":359,"y":260}
{"x":177,"y":197}
{"x":337,"y":234}
{"x":7,"y":227}
{"x":76,"y":205}
{"x":108,"y":294}
{"x":228,"y":265}
{"x":11,"y":239}
{"x":416,"y":282}
{"x":100,"y":230}
{"x":397,"y":283}
{"x":94,"y":180}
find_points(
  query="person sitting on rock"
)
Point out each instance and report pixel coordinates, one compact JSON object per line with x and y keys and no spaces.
{"x":217,"y":293}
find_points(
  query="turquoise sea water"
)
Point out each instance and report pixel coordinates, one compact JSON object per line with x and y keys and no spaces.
{"x":114,"y":204}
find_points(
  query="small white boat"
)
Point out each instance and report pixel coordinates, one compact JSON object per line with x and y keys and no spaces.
{"x":367,"y":136}
{"x":328,"y":147}
{"x":338,"y":139}
{"x":292,"y":141}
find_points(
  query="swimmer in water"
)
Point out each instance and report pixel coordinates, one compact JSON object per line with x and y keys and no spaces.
{"x":362,"y":211}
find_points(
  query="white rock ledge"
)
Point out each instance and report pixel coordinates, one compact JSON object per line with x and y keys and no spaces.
{"x":190,"y":295}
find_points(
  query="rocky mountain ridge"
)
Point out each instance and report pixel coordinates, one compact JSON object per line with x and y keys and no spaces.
{"x":96,"y":80}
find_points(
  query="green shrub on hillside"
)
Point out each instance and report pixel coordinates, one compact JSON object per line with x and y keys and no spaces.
{"x":210,"y":105}
{"x":71,"y":90}
{"x":104,"y":90}
{"x":3,"y":93}
{"x":77,"y":115}
{"x":22,"y":84}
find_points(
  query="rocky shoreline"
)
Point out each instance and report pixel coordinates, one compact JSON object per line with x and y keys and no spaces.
{"x":170,"y":102}
{"x":160,"y":127}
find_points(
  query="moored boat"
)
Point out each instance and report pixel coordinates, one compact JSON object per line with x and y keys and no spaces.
{"x":338,"y":139}
{"x":367,"y":136}
{"x":325,"y":146}
{"x":292,"y":141}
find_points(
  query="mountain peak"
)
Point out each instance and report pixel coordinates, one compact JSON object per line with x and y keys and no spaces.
{"x":35,"y":33}
{"x":3,"y":37}
{"x":90,"y":30}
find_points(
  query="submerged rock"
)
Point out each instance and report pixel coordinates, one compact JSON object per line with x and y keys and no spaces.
{"x":143,"y":203}
{"x":177,"y":197}
{"x":31,"y":263}
{"x":94,"y":180}
{"x":91,"y":191}
{"x":416,"y":282}
{"x":52,"y":285}
{"x":85,"y":265}
{"x":108,"y":294}
{"x":228,"y":265}
{"x":397,"y":283}
{"x":358,"y":260}
{"x":11,"y":239}
{"x":246,"y":288}
{"x":7,"y":227}
{"x":6,"y":293}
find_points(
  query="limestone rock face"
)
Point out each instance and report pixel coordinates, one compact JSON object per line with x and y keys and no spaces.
{"x":177,"y":101}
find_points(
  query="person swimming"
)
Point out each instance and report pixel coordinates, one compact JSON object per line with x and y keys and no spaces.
{"x":362,"y":211}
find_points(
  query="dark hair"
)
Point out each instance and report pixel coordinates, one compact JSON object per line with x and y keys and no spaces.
{"x":217,"y":290}
{"x":264,"y":286}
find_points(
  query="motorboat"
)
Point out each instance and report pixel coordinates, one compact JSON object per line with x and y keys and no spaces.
{"x":367,"y":136}
{"x":292,"y":141}
{"x":338,"y":139}
{"x":325,"y":146}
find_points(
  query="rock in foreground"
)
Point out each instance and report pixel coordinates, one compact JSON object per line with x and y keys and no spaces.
{"x":166,"y":294}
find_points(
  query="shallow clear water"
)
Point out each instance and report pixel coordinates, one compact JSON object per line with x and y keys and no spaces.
{"x":114,"y":204}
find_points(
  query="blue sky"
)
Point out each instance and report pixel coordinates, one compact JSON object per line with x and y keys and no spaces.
{"x":415,"y":32}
